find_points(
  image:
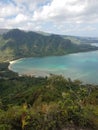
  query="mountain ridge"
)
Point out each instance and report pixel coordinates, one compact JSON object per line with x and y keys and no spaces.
{"x":17,"y":43}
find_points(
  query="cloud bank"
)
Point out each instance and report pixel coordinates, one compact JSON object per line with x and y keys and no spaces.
{"x":74,"y":17}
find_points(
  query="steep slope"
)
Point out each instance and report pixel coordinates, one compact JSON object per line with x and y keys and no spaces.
{"x":18,"y":44}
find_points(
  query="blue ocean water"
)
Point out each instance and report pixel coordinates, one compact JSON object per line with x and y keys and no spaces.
{"x":82,"y":66}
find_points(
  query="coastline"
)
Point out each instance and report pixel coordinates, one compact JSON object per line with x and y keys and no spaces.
{"x":34,"y":72}
{"x":13,"y":62}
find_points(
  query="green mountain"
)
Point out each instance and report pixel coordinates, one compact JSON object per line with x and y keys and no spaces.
{"x":18,"y":44}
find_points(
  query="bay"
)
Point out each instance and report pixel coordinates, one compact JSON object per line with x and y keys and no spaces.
{"x":82,"y":66}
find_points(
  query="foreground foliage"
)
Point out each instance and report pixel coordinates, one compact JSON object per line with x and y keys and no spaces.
{"x":53,"y":103}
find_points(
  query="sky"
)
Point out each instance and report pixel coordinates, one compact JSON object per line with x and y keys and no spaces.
{"x":67,"y":17}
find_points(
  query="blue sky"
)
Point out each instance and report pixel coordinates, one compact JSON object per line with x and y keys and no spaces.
{"x":68,"y":17}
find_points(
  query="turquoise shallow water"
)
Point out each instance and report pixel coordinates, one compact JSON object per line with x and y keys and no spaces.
{"x":83,"y":66}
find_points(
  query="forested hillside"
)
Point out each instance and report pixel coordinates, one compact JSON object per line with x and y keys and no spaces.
{"x":18,"y":44}
{"x":50,"y":103}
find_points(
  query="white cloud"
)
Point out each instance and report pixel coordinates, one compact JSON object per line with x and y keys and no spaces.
{"x":8,"y":10}
{"x":1,"y":20}
{"x":58,"y":16}
{"x":31,"y":5}
{"x":20,"y":18}
{"x":61,"y":10}
{"x":68,"y":11}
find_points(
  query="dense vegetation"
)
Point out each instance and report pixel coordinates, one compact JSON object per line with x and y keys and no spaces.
{"x":18,"y":44}
{"x":51,"y":103}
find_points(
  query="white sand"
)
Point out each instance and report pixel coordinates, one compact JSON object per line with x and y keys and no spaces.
{"x":34,"y":73}
{"x":12,"y":62}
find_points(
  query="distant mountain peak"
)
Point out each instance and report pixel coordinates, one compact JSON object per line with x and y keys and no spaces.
{"x":2,"y":31}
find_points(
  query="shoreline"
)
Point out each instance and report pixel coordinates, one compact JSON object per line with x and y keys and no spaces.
{"x":14,"y":61}
{"x":71,"y":53}
{"x":38,"y":73}
{"x":10,"y":63}
{"x":35,"y":73}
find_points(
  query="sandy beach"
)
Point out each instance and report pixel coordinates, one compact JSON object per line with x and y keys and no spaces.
{"x":13,"y":62}
{"x":32,"y":73}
